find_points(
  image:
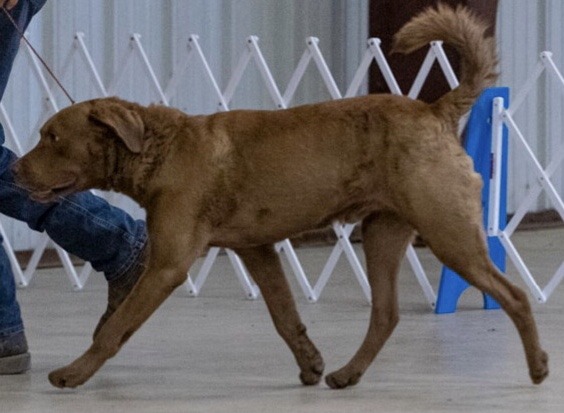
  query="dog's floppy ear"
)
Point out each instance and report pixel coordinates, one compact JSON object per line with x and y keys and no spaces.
{"x":126,"y":124}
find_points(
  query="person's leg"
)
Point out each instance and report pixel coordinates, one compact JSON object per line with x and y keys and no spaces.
{"x":83,"y":224}
{"x":14,"y":355}
{"x":22,"y":14}
{"x":10,"y":43}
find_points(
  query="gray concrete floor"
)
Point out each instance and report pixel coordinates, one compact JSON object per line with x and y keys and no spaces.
{"x":219,"y":352}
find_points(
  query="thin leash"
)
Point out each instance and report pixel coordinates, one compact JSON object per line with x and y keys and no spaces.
{"x":22,"y":36}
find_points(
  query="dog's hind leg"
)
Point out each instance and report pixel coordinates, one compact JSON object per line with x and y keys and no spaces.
{"x":463,"y":248}
{"x":385,"y":239}
{"x":447,"y":212}
{"x":264,"y":266}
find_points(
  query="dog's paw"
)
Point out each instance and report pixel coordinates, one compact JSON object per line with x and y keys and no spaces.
{"x":312,"y":375}
{"x":68,"y":377}
{"x":540,"y":372}
{"x":342,"y":378}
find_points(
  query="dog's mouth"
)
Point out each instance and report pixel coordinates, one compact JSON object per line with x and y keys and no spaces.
{"x":49,"y":195}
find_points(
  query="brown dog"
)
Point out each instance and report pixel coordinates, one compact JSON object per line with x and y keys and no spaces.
{"x":247,"y":179}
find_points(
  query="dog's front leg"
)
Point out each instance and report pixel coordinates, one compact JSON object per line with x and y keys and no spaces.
{"x":144,"y":299}
{"x":170,"y":257}
{"x":264,"y":265}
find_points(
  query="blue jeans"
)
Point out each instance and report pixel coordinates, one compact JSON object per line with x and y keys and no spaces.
{"x":83,"y":224}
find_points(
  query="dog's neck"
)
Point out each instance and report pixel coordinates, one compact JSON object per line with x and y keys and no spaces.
{"x":119,"y":171}
{"x":129,"y":173}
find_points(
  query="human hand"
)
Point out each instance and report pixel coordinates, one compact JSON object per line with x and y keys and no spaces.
{"x":9,"y":4}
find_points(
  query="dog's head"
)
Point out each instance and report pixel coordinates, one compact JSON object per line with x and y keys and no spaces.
{"x":78,"y":148}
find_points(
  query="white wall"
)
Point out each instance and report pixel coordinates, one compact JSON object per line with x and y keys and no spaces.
{"x":525,"y":28}
{"x":222,"y":25}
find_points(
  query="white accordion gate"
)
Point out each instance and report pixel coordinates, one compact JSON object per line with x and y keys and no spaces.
{"x":543,"y":176}
{"x":252,"y":53}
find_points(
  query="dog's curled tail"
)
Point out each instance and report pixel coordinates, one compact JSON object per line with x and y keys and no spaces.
{"x":464,"y":31}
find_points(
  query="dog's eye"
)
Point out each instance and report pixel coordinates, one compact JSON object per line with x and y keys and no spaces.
{"x":53,"y":138}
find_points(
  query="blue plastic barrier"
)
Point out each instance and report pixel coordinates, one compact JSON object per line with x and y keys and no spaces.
{"x":478,"y":144}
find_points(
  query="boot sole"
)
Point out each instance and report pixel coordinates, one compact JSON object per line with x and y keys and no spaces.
{"x":17,"y":364}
